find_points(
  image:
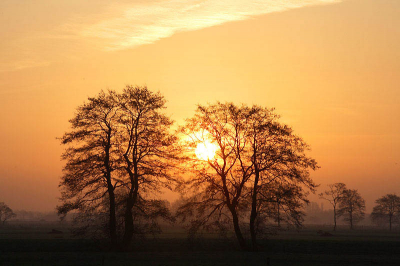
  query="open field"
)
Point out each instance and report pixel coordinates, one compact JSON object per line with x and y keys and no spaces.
{"x":31,"y":244}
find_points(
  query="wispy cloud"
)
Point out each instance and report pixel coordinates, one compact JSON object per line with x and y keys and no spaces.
{"x":121,"y":25}
{"x":138,"y":24}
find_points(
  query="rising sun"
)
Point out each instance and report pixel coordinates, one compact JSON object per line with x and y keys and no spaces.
{"x":206,"y":150}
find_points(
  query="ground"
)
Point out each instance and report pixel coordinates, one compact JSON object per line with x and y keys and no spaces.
{"x":44,"y":244}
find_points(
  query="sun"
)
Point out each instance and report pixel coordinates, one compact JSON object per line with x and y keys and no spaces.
{"x":206,"y":150}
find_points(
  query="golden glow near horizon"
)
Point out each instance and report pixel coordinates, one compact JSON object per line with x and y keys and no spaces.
{"x":330,"y":68}
{"x":206,"y":150}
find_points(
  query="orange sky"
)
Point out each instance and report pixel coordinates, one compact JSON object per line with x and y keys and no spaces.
{"x":331,"y":69}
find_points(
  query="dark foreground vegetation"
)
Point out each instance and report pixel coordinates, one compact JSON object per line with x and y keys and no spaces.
{"x":51,"y":244}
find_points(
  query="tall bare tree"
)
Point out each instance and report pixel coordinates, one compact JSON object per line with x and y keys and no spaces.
{"x":277,"y":156}
{"x":216,"y":183}
{"x":253,"y":150}
{"x":147,"y":147}
{"x":333,"y":196}
{"x":91,"y":158}
{"x":387,"y":209}
{"x":120,"y":155}
{"x":351,"y":207}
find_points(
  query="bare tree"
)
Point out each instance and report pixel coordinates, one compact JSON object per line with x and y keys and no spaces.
{"x":282,"y":202}
{"x":333,"y":196}
{"x":147,"y":148}
{"x":120,"y":155}
{"x":253,"y":151}
{"x":351,"y":207}
{"x":386,"y":210}
{"x":215,"y":185}
{"x":91,"y":158}
{"x":5,"y":213}
{"x":277,"y":156}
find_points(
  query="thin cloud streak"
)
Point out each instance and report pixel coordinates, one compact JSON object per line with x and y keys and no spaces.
{"x":146,"y":23}
{"x":125,"y":25}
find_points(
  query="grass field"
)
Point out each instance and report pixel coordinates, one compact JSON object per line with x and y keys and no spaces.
{"x":31,"y":244}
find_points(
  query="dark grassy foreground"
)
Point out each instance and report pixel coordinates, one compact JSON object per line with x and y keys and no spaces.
{"x":33,"y":245}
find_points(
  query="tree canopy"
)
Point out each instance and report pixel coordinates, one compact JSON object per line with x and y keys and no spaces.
{"x":5,"y":213}
{"x":254,"y":153}
{"x":333,"y":195}
{"x":91,"y":158}
{"x":386,"y":210}
{"x":351,"y":207}
{"x":239,"y":166}
{"x":119,"y":155}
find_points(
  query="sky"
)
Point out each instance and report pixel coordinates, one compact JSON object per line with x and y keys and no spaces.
{"x":329,"y":67}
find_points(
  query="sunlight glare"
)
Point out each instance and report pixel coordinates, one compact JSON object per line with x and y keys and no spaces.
{"x":206,"y":150}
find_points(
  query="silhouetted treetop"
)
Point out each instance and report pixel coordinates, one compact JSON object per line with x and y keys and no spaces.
{"x":5,"y":213}
{"x":120,"y":153}
{"x":351,"y":207}
{"x":387,"y":210}
{"x":333,"y":195}
{"x":253,"y":152}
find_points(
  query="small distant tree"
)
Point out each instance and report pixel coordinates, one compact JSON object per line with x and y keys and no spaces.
{"x":282,"y":202}
{"x":351,"y":207}
{"x":333,"y":196}
{"x":386,"y":210}
{"x":5,"y":213}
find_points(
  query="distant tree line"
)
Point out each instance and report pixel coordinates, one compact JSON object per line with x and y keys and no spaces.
{"x":349,"y":204}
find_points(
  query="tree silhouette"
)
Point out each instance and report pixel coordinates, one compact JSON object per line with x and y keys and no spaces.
{"x":215,"y":185}
{"x":277,"y":156}
{"x":5,"y":213}
{"x":147,"y":149}
{"x":351,"y":207}
{"x":281,"y":202}
{"x":386,"y":210}
{"x":333,"y":196}
{"x":120,"y":155}
{"x":254,"y":151}
{"x":91,"y":158}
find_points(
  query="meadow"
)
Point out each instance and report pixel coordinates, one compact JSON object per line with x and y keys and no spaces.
{"x":38,"y":244}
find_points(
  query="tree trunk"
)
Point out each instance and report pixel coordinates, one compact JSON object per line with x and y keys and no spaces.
{"x":334,"y":218}
{"x":130,"y":202}
{"x":390,"y":223}
{"x":110,"y":188}
{"x":128,"y":220}
{"x":238,"y":232}
{"x":351,"y":221}
{"x":112,"y":218}
{"x":112,"y":221}
{"x":253,"y":214}
{"x":279,"y":215}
